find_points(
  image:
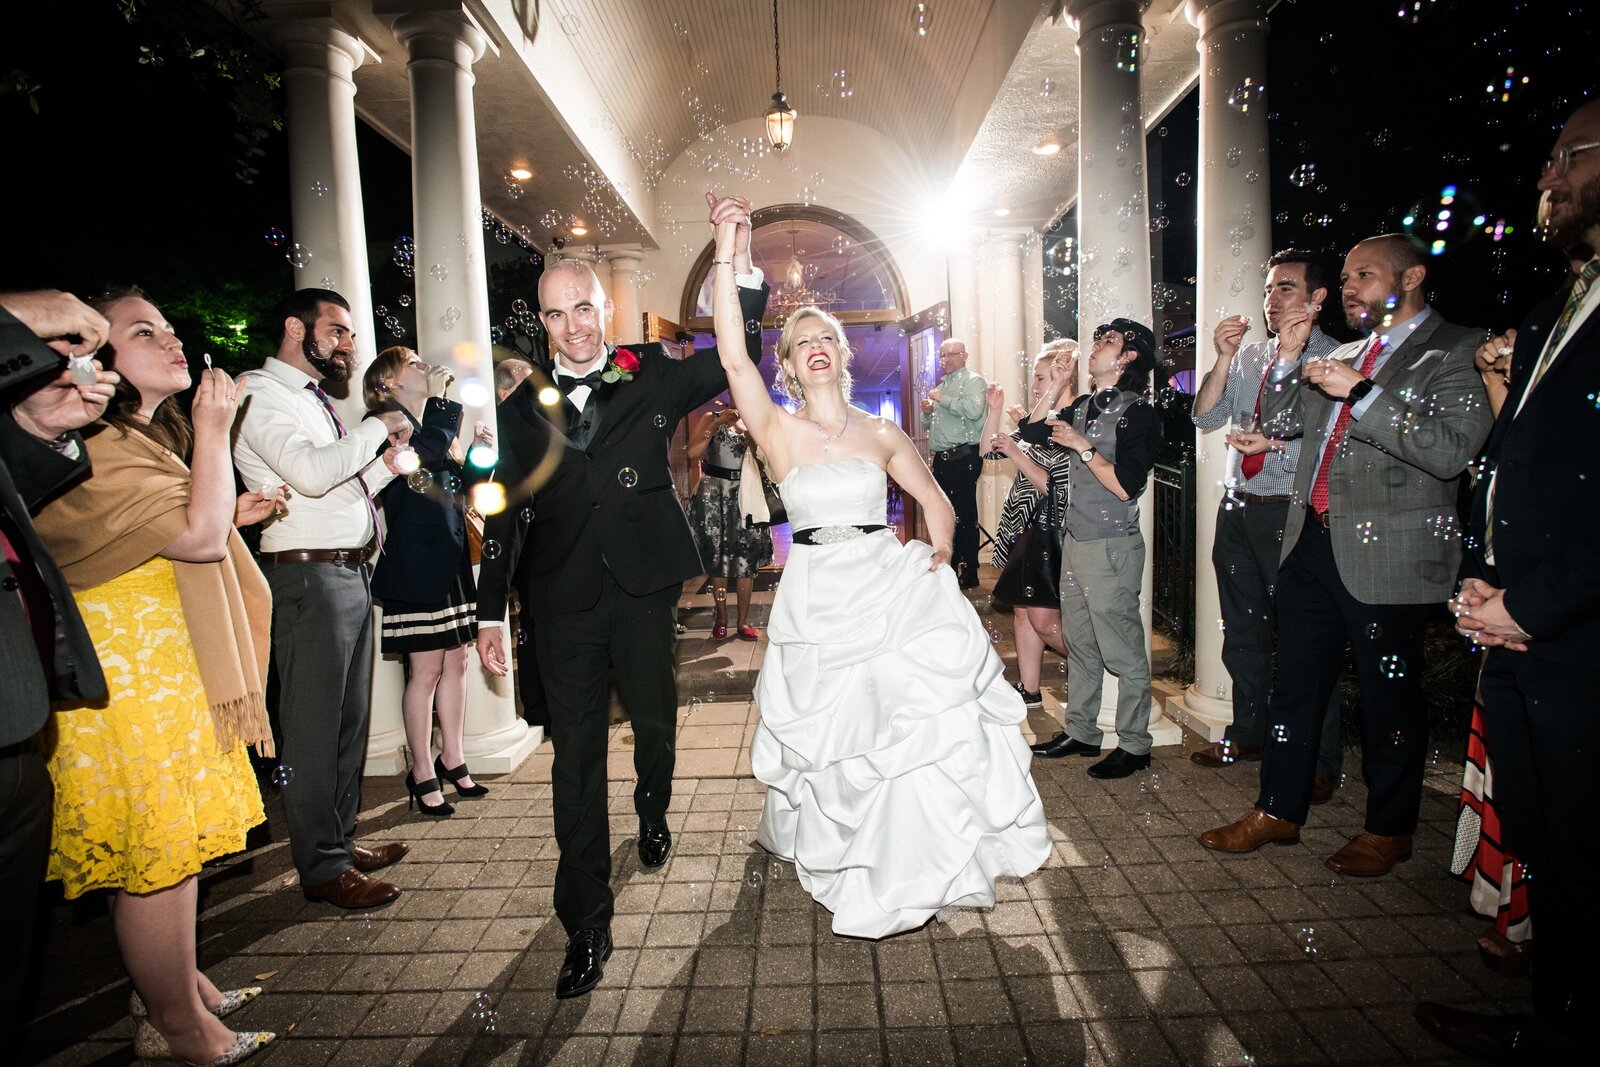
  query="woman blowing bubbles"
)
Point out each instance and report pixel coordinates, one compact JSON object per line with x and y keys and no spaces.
{"x":897,"y":780}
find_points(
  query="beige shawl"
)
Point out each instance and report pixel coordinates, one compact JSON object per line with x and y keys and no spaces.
{"x":133,"y":506}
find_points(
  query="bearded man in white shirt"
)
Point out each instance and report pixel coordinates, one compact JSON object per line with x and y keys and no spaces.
{"x":315,"y":559}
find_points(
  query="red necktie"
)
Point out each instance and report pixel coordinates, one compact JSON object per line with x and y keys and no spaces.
{"x":338,"y":428}
{"x":1251,"y":465}
{"x":1319,"y":488}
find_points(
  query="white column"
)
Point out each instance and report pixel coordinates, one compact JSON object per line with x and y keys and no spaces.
{"x":1234,"y":240}
{"x":1032,"y":300}
{"x":627,"y":321}
{"x":329,"y":251}
{"x":1005,"y":340}
{"x":453,"y":294}
{"x":1114,"y":228}
{"x":329,"y":238}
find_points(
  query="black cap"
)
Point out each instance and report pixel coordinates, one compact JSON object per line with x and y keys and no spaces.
{"x":1137,"y":336}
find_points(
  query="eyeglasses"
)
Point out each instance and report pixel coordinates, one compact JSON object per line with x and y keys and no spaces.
{"x":1559,"y":163}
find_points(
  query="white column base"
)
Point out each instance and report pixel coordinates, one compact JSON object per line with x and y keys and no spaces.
{"x":1205,"y":715}
{"x":1164,"y":732}
{"x":505,"y":739}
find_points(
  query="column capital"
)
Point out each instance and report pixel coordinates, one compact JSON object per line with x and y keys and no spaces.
{"x":1088,"y":15}
{"x":1208,"y":16}
{"x":450,"y":35}
{"x":627,"y":259}
{"x":319,"y":42}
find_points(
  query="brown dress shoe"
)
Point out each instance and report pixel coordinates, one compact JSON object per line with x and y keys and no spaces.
{"x":1370,"y":855}
{"x":1251,"y":832}
{"x":352,"y":889}
{"x":368,"y":860}
{"x":1225,"y":753}
{"x":1323,"y":787}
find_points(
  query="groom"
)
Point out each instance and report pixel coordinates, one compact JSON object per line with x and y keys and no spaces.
{"x":599,"y":548}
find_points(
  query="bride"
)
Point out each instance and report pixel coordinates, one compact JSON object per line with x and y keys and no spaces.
{"x":897,"y":779}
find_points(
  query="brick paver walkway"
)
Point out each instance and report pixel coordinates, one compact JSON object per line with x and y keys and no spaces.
{"x":1133,"y":945}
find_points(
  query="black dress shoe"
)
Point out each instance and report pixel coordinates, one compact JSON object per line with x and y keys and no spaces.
{"x":587,"y":952}
{"x":1062,"y":745}
{"x":655,"y":845}
{"x":1494,"y":1038}
{"x":1119,"y":764}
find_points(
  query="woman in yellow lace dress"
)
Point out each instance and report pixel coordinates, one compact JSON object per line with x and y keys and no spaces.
{"x":156,"y":783}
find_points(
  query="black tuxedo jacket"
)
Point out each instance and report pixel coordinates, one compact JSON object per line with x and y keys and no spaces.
{"x":1546,"y":493}
{"x":573,"y":513}
{"x":425,"y":533}
{"x":31,"y":474}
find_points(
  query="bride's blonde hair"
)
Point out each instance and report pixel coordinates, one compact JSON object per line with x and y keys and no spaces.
{"x":787,"y":383}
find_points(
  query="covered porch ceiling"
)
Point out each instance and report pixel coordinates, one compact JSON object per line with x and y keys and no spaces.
{"x":599,"y":97}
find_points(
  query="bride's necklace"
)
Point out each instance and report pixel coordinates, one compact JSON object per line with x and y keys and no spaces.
{"x":829,"y":438}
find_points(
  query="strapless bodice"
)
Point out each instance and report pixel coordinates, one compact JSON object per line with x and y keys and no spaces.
{"x":841,"y":492}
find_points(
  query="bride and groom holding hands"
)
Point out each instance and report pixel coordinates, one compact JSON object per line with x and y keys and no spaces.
{"x":898,"y":781}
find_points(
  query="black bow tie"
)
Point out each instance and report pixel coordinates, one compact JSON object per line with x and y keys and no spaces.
{"x":567,"y":382}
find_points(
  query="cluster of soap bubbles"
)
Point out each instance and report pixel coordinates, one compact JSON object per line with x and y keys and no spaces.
{"x":405,"y":255}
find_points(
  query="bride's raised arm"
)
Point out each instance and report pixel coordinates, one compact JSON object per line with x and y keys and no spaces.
{"x":745,"y":383}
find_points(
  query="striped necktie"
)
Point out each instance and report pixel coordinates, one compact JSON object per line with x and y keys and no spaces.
{"x":1580,"y":287}
{"x":338,"y":428}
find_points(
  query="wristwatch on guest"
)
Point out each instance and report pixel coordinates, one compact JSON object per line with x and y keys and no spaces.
{"x":1087,"y":454}
{"x":1359,"y":390}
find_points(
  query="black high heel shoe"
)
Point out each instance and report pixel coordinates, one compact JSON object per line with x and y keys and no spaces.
{"x":454,"y":775}
{"x":418,"y":790}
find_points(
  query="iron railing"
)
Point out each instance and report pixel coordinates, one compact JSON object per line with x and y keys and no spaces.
{"x":1172,"y":553}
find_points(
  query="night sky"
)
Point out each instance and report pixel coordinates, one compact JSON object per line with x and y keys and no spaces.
{"x":127,"y":173}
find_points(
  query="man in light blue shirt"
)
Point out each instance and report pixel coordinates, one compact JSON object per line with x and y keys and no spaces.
{"x":1250,"y":519}
{"x":953,"y":415}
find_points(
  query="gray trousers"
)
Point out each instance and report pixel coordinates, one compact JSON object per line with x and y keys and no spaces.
{"x":1104,"y":631}
{"x":322,"y":645}
{"x":1245,"y":554}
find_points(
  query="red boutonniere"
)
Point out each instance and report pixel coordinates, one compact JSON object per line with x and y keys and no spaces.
{"x":621,"y":367}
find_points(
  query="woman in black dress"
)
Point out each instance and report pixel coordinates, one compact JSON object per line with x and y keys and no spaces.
{"x":424,"y":574}
{"x":729,"y":547}
{"x":1028,"y":541}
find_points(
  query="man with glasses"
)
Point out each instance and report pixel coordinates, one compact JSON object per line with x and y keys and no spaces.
{"x":1530,"y":591}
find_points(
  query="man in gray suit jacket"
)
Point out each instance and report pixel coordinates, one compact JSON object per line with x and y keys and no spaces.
{"x":1371,"y":545}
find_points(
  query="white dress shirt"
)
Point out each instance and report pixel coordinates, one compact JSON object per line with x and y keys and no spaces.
{"x":285,"y":437}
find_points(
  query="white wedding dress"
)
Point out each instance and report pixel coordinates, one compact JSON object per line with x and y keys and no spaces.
{"x":897,"y":778}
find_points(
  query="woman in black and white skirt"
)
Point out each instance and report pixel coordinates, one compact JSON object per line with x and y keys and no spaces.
{"x":424,"y":574}
{"x":729,"y":548}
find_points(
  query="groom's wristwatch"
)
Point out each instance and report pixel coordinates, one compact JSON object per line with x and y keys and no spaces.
{"x":1087,"y":454}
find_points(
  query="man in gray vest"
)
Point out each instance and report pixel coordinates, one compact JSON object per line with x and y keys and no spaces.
{"x":953,"y":415}
{"x":1114,"y":433}
{"x":1251,"y":516}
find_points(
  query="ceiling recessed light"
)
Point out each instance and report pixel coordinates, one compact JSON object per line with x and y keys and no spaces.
{"x":521,"y":173}
{"x":579,"y":229}
{"x":1047,"y":148}
{"x":1002,"y":211}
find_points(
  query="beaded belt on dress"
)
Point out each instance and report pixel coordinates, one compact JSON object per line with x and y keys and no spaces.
{"x":833,"y":535}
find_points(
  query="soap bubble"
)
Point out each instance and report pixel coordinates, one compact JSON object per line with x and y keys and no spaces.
{"x":419,"y":481}
{"x":1444,"y":221}
{"x":491,"y":549}
{"x":438,"y":272}
{"x":275,"y":237}
{"x":1303,"y":175}
{"x":282,"y":775}
{"x":627,"y":477}
{"x":1393,"y":667}
{"x":1247,"y":93}
{"x":298,"y":255}
{"x":1183,"y":179}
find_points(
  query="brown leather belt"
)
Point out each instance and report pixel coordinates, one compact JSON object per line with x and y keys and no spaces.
{"x":1319,"y":517}
{"x":344,"y":557}
{"x":1256,"y":500}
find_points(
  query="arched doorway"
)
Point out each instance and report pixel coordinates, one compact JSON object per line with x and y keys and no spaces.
{"x":813,"y":255}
